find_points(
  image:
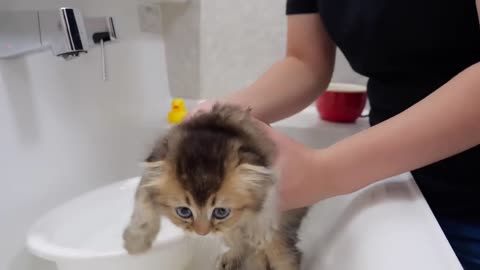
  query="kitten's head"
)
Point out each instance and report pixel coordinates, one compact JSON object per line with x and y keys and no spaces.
{"x":212,"y":172}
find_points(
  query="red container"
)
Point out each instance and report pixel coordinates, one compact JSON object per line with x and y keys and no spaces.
{"x":342,"y":103}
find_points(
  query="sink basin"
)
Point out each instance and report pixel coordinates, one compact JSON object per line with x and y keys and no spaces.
{"x":86,"y":233}
{"x":387,"y":225}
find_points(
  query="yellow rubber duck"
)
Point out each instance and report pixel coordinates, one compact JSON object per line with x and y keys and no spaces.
{"x":178,"y":111}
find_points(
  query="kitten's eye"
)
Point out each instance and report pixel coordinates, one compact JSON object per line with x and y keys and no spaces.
{"x":184,"y":212}
{"x":221,"y":213}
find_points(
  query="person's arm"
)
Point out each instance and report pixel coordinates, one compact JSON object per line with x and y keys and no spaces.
{"x":443,"y":124}
{"x":295,"y":81}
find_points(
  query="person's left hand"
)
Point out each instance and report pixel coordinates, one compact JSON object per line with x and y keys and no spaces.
{"x":298,"y":168}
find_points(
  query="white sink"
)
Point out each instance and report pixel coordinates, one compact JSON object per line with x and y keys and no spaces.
{"x":86,"y":233}
{"x":385,"y":226}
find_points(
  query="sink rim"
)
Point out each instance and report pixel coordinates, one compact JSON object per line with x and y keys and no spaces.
{"x":39,"y":244}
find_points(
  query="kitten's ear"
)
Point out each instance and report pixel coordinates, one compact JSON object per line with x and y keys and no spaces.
{"x":256,"y":176}
{"x":255,"y":181}
{"x":249,"y":155}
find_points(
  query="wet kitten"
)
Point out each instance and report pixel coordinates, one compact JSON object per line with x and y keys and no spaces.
{"x":212,"y":174}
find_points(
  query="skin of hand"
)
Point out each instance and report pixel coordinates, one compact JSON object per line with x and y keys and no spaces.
{"x":203,"y":106}
{"x":443,"y":124}
{"x":294,"y":164}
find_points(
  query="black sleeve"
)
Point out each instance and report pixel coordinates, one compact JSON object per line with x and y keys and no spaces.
{"x":301,"y":6}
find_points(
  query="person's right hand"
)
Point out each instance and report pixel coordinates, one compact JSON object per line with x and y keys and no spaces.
{"x":203,"y":106}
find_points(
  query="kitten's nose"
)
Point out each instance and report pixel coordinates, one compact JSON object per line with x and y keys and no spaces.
{"x":201,"y":228}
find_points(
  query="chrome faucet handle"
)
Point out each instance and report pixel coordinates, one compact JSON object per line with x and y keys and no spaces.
{"x":63,"y":31}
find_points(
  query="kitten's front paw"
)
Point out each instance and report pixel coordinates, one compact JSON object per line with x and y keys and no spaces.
{"x":228,"y":262}
{"x":137,"y":241}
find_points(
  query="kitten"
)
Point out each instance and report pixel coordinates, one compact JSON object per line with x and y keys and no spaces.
{"x":212,"y":174}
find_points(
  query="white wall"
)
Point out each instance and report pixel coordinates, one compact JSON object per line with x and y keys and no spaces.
{"x":224,"y":45}
{"x":241,"y":40}
{"x":65,"y":131}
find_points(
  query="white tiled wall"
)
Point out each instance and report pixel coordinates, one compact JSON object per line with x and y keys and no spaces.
{"x":64,"y":131}
{"x":236,"y":42}
{"x":240,"y":40}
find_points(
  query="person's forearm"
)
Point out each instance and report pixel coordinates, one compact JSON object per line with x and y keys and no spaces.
{"x":445,"y":123}
{"x":286,"y":88}
{"x":295,"y":81}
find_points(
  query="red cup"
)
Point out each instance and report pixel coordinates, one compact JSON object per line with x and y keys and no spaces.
{"x":342,"y":103}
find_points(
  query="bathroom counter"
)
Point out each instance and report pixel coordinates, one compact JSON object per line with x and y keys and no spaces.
{"x":307,"y":127}
{"x":309,"y":119}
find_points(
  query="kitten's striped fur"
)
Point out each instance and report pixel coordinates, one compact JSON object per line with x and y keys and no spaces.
{"x":218,"y":159}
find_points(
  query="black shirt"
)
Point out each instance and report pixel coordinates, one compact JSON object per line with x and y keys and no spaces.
{"x":408,"y":49}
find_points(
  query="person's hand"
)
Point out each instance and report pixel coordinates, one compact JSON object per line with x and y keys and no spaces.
{"x":206,"y":106}
{"x":203,"y":106}
{"x":298,"y":167}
